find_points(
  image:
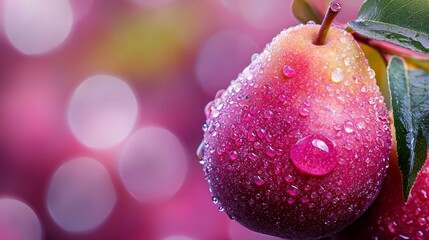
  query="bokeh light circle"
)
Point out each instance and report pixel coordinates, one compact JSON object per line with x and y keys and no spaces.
{"x":81,"y":195}
{"x":102,"y":111}
{"x":152,"y":164}
{"x":18,"y":221}
{"x":222,"y":57}
{"x":37,"y":26}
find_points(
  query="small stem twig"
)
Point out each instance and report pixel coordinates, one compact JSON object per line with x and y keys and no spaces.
{"x":333,"y":9}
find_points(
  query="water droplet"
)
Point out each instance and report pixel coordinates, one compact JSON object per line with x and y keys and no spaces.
{"x":420,"y":235}
{"x":258,"y":181}
{"x":347,"y":61}
{"x":289,"y":178}
{"x":253,"y":156}
{"x":392,"y":227}
{"x":423,"y":196}
{"x":251,"y":136}
{"x":311,"y":22}
{"x":337,"y":75}
{"x":215,"y":113}
{"x":270,"y":151}
{"x":257,"y":145}
{"x":260,"y":132}
{"x":293,"y":191}
{"x":200,"y":152}
{"x":269,"y":114}
{"x":422,"y":221}
{"x":371,"y":73}
{"x":361,"y":125}
{"x":404,"y":237}
{"x":288,"y":71}
{"x":304,"y":112}
{"x":305,"y":200}
{"x":205,"y":127}
{"x":328,"y":195}
{"x":314,"y":155}
{"x":221,"y":209}
{"x":282,"y":97}
{"x":348,"y":127}
{"x":343,"y":40}
{"x":237,"y":87}
{"x":233,"y":155}
{"x":254,"y":56}
{"x":215,"y":200}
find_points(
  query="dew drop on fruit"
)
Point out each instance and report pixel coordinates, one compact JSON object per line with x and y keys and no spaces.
{"x":258,"y":181}
{"x":337,"y":75}
{"x":293,"y":191}
{"x":269,"y":114}
{"x":423,"y":196}
{"x":371,"y":73}
{"x":200,"y":152}
{"x":215,"y":113}
{"x":233,"y":155}
{"x":314,"y":155}
{"x":304,"y":112}
{"x":347,"y":61}
{"x":348,"y":127}
{"x":289,"y":178}
{"x":205,"y":127}
{"x":215,"y":200}
{"x":288,"y":71}
{"x":422,"y":221}
{"x":270,"y":151}
{"x":392,"y":227}
{"x":254,"y":56}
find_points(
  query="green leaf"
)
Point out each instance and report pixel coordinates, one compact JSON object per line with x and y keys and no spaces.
{"x":410,"y":99}
{"x":309,"y":10}
{"x":402,"y":22}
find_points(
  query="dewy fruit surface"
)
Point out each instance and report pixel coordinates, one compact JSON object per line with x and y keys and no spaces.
{"x":297,"y":146}
{"x":389,"y":217}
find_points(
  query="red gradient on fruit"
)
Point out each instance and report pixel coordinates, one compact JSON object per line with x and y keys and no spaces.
{"x":299,"y":151}
{"x":389,"y":217}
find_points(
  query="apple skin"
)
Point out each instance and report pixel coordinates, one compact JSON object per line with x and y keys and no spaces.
{"x":297,"y":146}
{"x":389,"y":217}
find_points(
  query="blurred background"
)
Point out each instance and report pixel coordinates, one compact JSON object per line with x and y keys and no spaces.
{"x":101,"y":108}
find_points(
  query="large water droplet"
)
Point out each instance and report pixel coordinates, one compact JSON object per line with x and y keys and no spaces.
{"x":337,"y":75}
{"x":200,"y":152}
{"x":314,"y":155}
{"x":288,"y":71}
{"x":215,"y":200}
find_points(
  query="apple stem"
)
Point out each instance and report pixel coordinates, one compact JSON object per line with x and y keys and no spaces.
{"x":333,"y":9}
